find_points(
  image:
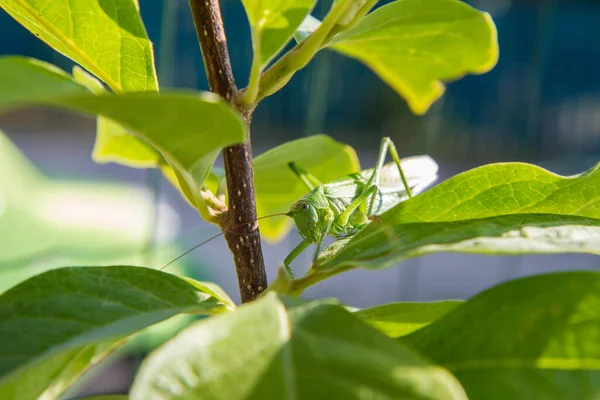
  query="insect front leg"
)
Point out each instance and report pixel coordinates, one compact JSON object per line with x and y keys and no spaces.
{"x":320,"y":244}
{"x":295,"y":253}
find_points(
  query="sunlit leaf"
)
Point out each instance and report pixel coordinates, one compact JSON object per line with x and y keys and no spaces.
{"x":533,"y":338}
{"x":273,"y":23}
{"x":56,"y":324}
{"x":113,"y":142}
{"x":264,"y":351}
{"x":399,"y":319}
{"x":416,"y":45}
{"x":107,"y":38}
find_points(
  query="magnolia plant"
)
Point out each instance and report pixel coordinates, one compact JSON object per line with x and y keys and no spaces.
{"x":532,"y":338}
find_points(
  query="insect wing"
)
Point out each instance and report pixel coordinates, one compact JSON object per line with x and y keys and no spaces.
{"x":420,"y":172}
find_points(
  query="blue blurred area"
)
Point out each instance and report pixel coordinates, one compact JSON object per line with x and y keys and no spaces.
{"x":540,"y":101}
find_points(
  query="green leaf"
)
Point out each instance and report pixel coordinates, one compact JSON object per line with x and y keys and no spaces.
{"x":277,"y":187}
{"x":399,"y":319}
{"x":105,"y":397}
{"x":263,"y":351}
{"x":113,"y":142}
{"x":107,"y":38}
{"x":56,"y":324}
{"x":532,"y":338}
{"x":187,"y":128}
{"x":414,"y":45}
{"x":273,"y":23}
{"x":505,"y":208}
{"x":53,"y":375}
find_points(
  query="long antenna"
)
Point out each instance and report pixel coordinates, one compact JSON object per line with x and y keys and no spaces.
{"x":216,"y":236}
{"x":192,"y":249}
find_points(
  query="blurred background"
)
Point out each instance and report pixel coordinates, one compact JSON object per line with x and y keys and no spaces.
{"x":540,"y":104}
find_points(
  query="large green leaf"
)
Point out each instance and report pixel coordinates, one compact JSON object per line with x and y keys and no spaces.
{"x":107,"y":38}
{"x":505,"y":208}
{"x":533,"y":338}
{"x":52,"y":376}
{"x":187,"y":128}
{"x":113,"y":142}
{"x":273,"y":23}
{"x":277,"y":187}
{"x":399,"y":319}
{"x":263,"y":351}
{"x":56,"y":324}
{"x":414,"y":45}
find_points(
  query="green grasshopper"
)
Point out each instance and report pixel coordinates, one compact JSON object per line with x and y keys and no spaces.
{"x":344,"y":206}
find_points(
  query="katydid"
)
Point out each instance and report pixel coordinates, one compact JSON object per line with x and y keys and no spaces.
{"x":343,"y":207}
{"x":346,"y":205}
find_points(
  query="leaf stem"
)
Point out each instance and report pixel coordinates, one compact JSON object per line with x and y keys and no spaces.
{"x":250,"y":94}
{"x":280,"y":73}
{"x":285,"y":285}
{"x":242,"y":238}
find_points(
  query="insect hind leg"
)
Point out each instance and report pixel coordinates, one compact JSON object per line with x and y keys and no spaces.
{"x":386,"y":146}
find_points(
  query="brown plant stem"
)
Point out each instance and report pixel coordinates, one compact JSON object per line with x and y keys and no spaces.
{"x":243,"y":239}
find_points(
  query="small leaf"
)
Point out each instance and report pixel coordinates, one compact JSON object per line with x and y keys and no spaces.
{"x":56,"y":324}
{"x":187,"y":128}
{"x":113,"y":142}
{"x":399,"y":319}
{"x":273,"y":23}
{"x":532,"y":338}
{"x":107,"y":38}
{"x":414,"y":45}
{"x":88,"y":80}
{"x":277,"y":187}
{"x":263,"y":351}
